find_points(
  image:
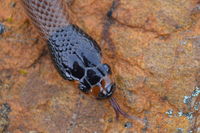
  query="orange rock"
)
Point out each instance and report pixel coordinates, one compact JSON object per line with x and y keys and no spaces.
{"x":154,"y":51}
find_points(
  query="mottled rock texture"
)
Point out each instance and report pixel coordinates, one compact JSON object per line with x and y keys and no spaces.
{"x":153,"y":48}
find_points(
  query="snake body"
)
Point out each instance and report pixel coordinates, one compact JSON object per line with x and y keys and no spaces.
{"x":75,"y":54}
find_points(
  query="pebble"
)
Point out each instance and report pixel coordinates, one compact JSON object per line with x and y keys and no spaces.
{"x":2,"y":28}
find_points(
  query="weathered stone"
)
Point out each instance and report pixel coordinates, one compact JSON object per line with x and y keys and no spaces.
{"x":153,"y":48}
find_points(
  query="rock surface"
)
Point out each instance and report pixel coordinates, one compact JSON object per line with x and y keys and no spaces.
{"x":154,"y":51}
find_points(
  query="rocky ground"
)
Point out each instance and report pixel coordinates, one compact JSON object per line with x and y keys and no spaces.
{"x":153,"y":48}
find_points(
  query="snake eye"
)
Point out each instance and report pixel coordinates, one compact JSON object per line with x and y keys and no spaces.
{"x":107,"y":68}
{"x":84,"y":87}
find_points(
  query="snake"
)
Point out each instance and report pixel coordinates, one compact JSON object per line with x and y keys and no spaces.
{"x":76,"y":55}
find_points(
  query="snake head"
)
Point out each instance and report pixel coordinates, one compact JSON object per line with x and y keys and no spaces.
{"x":98,"y":81}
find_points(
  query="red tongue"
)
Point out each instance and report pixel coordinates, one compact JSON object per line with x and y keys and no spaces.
{"x":118,"y":111}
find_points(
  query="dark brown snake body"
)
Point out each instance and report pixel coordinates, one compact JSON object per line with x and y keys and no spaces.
{"x":76,"y":55}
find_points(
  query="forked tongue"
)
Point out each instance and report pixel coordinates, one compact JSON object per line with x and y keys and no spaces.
{"x":118,"y":111}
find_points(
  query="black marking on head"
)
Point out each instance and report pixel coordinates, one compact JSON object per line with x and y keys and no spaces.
{"x":93,"y":77}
